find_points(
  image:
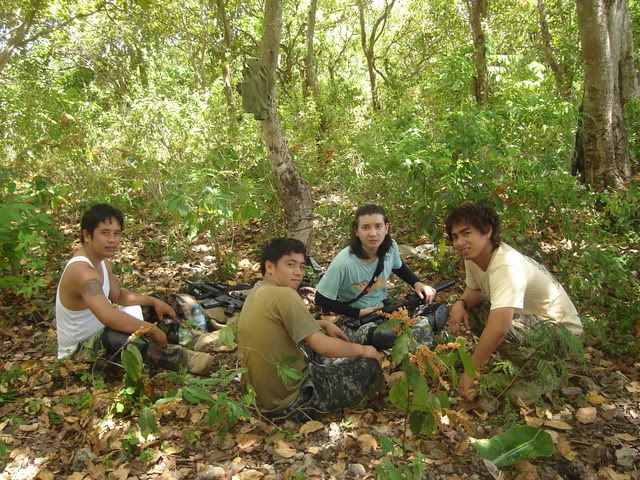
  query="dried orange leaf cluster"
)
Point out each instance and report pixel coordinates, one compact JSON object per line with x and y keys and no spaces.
{"x":448,"y":346}
{"x":403,"y":315}
{"x":142,"y":331}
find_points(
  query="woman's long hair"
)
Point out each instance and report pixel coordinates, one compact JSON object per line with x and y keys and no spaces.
{"x":355,"y":245}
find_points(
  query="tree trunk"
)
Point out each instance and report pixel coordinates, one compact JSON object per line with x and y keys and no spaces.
{"x":477,"y":12}
{"x":21,"y":31}
{"x":293,"y":191}
{"x":227,"y":40}
{"x":368,"y":45}
{"x":610,"y":80}
{"x":549,"y":55}
{"x":367,"y":49}
{"x":311,"y":78}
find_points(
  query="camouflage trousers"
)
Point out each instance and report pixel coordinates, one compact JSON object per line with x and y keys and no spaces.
{"x":333,"y":384}
{"x":429,"y":322}
{"x":106,"y":345}
{"x":523,"y":326}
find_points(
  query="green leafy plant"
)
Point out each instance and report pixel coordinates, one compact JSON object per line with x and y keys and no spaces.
{"x":516,"y":444}
{"x":398,"y":464}
{"x":133,"y":394}
{"x":7,"y":384}
{"x":24,"y":226}
{"x":286,"y":369}
{"x":422,"y":393}
{"x":4,"y":455}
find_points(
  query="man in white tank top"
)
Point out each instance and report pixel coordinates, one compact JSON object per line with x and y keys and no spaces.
{"x":88,"y":292}
{"x":523,"y":294}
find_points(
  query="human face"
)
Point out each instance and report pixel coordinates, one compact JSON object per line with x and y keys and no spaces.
{"x":105,"y":239}
{"x":286,"y":272}
{"x":472,"y":243}
{"x":371,"y":231}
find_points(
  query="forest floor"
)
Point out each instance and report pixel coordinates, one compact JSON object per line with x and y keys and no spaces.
{"x":55,"y":422}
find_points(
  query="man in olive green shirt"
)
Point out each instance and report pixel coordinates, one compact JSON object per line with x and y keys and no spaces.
{"x":275,"y":324}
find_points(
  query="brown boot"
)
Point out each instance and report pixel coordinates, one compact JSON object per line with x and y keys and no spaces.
{"x":198,"y":363}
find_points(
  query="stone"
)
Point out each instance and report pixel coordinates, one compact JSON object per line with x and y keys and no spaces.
{"x":80,"y":459}
{"x":626,"y":457}
{"x":356,"y":469}
{"x":212,"y":473}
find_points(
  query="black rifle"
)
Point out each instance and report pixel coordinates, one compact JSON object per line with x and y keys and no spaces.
{"x":211,"y":295}
{"x":231,"y":304}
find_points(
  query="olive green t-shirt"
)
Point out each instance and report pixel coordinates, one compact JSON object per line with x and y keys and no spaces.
{"x":273,"y":321}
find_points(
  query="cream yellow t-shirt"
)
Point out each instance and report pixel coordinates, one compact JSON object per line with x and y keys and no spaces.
{"x":517,"y":281}
{"x":273,"y":321}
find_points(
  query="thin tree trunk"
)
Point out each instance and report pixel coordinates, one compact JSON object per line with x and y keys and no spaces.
{"x":227,"y":40}
{"x":293,"y":191}
{"x":549,"y":55}
{"x":368,"y":46}
{"x":477,"y":12}
{"x":311,"y":78}
{"x":610,"y":80}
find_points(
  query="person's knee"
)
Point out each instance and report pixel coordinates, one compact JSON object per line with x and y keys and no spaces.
{"x":114,"y":341}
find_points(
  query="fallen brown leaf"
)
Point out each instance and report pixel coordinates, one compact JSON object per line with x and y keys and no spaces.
{"x":557,"y":424}
{"x":31,"y":427}
{"x":595,"y":399}
{"x":284,"y":450}
{"x":608,"y":473}
{"x":310,"y":427}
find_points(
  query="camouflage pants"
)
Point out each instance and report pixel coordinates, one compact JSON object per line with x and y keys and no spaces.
{"x":423,"y":329}
{"x":105,"y":347}
{"x":332,"y":384}
{"x":516,"y":346}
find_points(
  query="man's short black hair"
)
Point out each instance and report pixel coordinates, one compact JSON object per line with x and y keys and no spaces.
{"x":355,"y":245}
{"x":479,"y":216}
{"x":100,"y":212}
{"x":277,"y":248}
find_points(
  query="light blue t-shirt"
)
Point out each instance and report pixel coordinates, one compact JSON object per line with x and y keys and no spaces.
{"x":348,"y":275}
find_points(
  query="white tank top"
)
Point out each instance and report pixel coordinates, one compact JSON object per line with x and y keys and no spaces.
{"x":74,"y":326}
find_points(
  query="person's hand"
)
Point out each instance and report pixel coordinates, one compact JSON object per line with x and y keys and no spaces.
{"x":158,"y":336}
{"x":164,"y":310}
{"x":366,"y":311}
{"x":465,"y":387}
{"x":370,"y":352}
{"x":426,"y":292}
{"x":333,"y":330}
{"x":459,"y":315}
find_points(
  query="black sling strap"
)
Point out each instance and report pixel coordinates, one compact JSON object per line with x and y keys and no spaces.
{"x":379,"y":268}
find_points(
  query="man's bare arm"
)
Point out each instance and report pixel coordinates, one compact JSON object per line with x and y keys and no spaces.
{"x":123,"y":297}
{"x":494,"y":333}
{"x":334,"y":347}
{"x":111,"y":317}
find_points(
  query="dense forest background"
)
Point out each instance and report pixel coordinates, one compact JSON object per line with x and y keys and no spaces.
{"x":416,"y":105}
{"x":532,"y":106}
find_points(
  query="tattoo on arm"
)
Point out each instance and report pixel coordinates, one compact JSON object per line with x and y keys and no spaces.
{"x":93,"y":287}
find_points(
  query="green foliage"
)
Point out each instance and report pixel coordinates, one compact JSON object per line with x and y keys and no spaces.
{"x":228,"y":336}
{"x":4,"y":455}
{"x":514,"y":445}
{"x":133,"y":394}
{"x":286,"y":369}
{"x":7,"y":384}
{"x":24,"y":228}
{"x":421,"y":394}
{"x":148,"y":424}
{"x":398,"y":464}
